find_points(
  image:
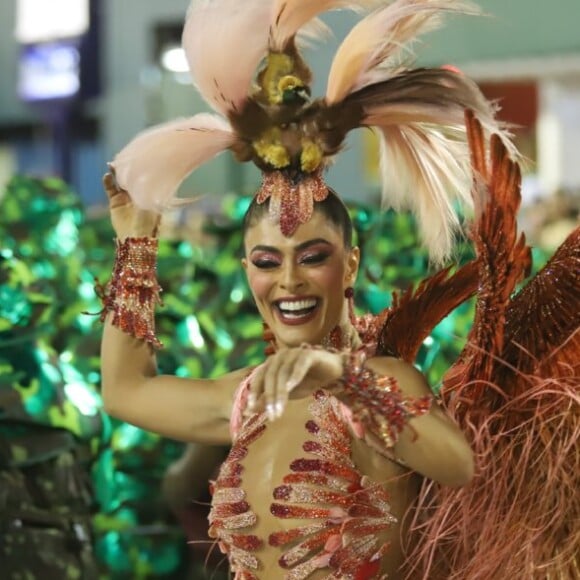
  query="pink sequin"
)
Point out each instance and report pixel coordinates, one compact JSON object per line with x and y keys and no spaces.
{"x":231,"y":516}
{"x":346,"y":541}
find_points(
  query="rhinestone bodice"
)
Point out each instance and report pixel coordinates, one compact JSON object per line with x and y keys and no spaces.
{"x":331,"y":515}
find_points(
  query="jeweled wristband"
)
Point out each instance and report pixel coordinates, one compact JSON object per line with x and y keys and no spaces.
{"x":133,"y":291}
{"x":377,"y":401}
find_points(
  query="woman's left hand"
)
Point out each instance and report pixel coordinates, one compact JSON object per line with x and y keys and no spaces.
{"x":292,"y":373}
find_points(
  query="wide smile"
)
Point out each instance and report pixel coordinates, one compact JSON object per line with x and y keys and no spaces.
{"x":294,"y":311}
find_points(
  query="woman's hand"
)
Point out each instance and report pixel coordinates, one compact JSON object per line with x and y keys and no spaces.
{"x":292,"y":373}
{"x":127,"y":219}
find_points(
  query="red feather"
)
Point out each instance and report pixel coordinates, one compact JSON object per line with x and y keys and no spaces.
{"x":515,"y":392}
{"x":415,"y":313}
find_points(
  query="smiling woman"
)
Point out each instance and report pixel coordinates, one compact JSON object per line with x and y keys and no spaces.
{"x":299,"y":282}
{"x":306,"y":445}
{"x":332,"y":435}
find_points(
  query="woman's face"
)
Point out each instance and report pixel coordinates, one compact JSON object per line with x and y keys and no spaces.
{"x":298,"y":283}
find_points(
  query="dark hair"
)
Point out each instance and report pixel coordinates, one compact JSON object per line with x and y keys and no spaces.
{"x":332,"y":208}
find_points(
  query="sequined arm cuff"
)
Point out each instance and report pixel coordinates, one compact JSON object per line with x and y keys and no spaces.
{"x":133,"y":292}
{"x":376,"y":401}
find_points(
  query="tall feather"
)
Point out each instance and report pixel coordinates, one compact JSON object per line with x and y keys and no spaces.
{"x":424,"y":155}
{"x":153,"y":165}
{"x":504,"y":259}
{"x":418,"y":114}
{"x":419,"y":167}
{"x":225,"y":41}
{"x":546,"y":313}
{"x":290,"y":16}
{"x":378,"y":40}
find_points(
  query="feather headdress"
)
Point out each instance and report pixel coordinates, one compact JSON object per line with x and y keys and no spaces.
{"x":245,"y":61}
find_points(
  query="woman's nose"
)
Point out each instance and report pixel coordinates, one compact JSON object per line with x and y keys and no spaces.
{"x":290,"y":279}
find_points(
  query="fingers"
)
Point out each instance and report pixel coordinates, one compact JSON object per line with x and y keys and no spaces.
{"x":126,"y":217}
{"x":295,"y":364}
{"x":117,"y":197}
{"x":291,"y":371}
{"x":298,"y":371}
{"x":274,"y":387}
{"x":267,"y":388}
{"x":275,"y":379}
{"x":256,"y":389}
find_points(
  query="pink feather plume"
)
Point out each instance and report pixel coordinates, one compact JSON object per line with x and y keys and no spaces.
{"x":519,"y":516}
{"x":425,"y":165}
{"x":153,"y":165}
{"x":290,"y":16}
{"x":225,"y":41}
{"x":426,"y":171}
{"x":380,"y":37}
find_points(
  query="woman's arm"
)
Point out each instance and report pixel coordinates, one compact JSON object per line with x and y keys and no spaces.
{"x":429,"y":443}
{"x":183,"y":409}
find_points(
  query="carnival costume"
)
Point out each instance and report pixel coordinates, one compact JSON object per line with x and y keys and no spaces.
{"x":514,"y":390}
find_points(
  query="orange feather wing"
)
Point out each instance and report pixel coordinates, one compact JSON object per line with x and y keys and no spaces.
{"x":415,"y":313}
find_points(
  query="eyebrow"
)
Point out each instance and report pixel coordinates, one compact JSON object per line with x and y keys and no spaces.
{"x":298,"y":248}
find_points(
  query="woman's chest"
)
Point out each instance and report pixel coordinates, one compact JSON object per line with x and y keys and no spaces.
{"x":290,"y":495}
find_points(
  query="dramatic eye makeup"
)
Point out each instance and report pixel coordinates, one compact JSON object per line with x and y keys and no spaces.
{"x":313,"y":258}
{"x":265,"y":260}
{"x":314,"y":255}
{"x":314,"y":252}
{"x":311,"y":252}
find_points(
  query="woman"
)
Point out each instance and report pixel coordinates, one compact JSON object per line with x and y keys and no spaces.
{"x":327,"y":432}
{"x":299,"y":285}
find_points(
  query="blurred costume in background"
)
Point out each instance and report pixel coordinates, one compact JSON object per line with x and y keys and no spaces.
{"x":75,"y":488}
{"x":513,"y":390}
{"x":51,"y":424}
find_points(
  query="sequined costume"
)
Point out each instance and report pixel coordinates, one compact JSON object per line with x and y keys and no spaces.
{"x":505,"y":383}
{"x":343,"y":511}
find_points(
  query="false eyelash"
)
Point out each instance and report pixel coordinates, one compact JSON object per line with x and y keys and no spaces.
{"x":314,"y":258}
{"x":265,"y":264}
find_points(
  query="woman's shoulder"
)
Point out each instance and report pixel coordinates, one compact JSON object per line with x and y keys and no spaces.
{"x":409,"y":379}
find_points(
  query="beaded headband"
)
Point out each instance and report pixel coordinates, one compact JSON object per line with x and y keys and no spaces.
{"x":244,"y":59}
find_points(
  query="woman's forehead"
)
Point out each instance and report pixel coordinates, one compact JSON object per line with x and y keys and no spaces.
{"x":267,"y":232}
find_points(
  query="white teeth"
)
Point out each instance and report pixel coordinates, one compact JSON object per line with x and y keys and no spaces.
{"x":297,"y":304}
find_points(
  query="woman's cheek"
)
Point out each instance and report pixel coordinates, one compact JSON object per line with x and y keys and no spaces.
{"x":329,"y":276}
{"x":259,"y":285}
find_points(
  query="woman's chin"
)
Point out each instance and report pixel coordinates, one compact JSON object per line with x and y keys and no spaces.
{"x":297,"y":336}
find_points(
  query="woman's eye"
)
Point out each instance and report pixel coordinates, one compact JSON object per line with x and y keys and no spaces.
{"x":313,"y":258}
{"x":265,"y":264}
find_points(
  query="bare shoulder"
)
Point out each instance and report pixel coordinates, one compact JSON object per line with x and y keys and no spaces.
{"x":410,"y":380}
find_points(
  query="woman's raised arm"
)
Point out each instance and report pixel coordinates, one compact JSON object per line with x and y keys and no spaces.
{"x":179,"y":408}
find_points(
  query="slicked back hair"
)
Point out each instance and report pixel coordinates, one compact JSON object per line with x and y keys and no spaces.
{"x":332,"y":208}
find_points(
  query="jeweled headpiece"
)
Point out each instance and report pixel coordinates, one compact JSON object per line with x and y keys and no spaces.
{"x":245,"y":61}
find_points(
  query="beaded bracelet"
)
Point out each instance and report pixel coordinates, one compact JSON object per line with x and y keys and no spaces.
{"x":377,"y":401}
{"x":133,"y":290}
